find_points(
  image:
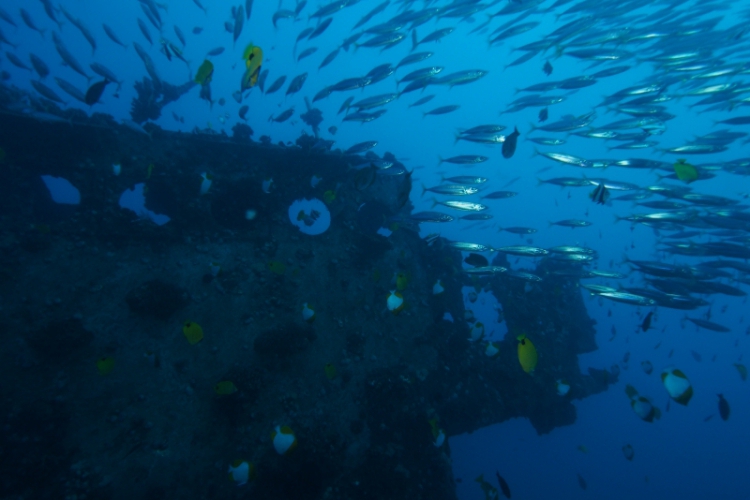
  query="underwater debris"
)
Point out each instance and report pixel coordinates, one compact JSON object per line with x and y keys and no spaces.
{"x":313,"y":117}
{"x":242,"y":132}
{"x":310,"y":216}
{"x":153,"y":96}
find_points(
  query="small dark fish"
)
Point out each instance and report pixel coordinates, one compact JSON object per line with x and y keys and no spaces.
{"x":345,"y":106}
{"x":321,"y":28}
{"x":302,"y":35}
{"x":180,"y":35}
{"x":709,"y":325}
{"x":144,"y":29}
{"x":113,"y":36}
{"x":306,"y":53}
{"x":95,"y":91}
{"x":723,"y":407}
{"x":610,"y":72}
{"x":600,"y":195}
{"x":361,"y":147}
{"x":299,"y":7}
{"x":282,"y":14}
{"x":503,"y":485}
{"x":70,"y":89}
{"x":243,"y":112}
{"x":239,"y":22}
{"x":262,"y":80}
{"x":647,"y":320}
{"x":284,"y":116}
{"x":6,"y":17}
{"x":547,"y":68}
{"x":51,"y":12}
{"x":276,"y":85}
{"x":332,"y":129}
{"x":499,"y":195}
{"x":582,"y":482}
{"x":543,"y":114}
{"x":30,"y":22}
{"x":197,"y":30}
{"x":476,"y":260}
{"x":40,"y":66}
{"x":737,"y":120}
{"x":350,"y":40}
{"x":423,"y":100}
{"x":414,"y":58}
{"x":442,"y":110}
{"x":46,"y":91}
{"x":215,"y":52}
{"x":200,"y":6}
{"x":329,"y":58}
{"x":15,"y":61}
{"x":296,"y":84}
{"x":379,"y":8}
{"x":518,"y":230}
{"x":511,"y":140}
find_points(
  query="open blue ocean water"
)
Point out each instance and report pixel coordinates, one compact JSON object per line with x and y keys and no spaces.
{"x":648,"y":100}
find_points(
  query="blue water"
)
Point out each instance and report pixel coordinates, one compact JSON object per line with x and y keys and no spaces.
{"x":678,"y":456}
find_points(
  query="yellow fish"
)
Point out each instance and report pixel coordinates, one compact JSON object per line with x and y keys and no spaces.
{"x":193,"y":332}
{"x":225,"y":388}
{"x":685,"y":171}
{"x":242,"y":472}
{"x":527,"y":354}
{"x":284,"y":440}
{"x":253,"y":57}
{"x":277,"y":267}
{"x":205,"y":73}
{"x":105,"y":365}
{"x":401,"y":281}
{"x":330,"y":371}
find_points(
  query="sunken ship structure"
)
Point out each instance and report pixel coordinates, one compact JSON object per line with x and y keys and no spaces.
{"x":105,"y":397}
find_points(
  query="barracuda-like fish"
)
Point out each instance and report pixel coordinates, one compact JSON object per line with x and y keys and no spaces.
{"x":524,"y":251}
{"x":466,"y":206}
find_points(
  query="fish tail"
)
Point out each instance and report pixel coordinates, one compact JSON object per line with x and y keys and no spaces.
{"x":414,"y":41}
{"x":533,"y":127}
{"x":434,"y":202}
{"x":424,"y":189}
{"x":458,"y":138}
{"x":440,"y":160}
